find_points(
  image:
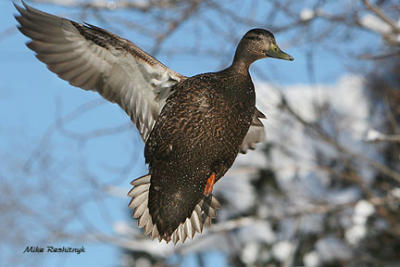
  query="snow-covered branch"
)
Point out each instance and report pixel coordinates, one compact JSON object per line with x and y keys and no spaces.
{"x":376,"y":136}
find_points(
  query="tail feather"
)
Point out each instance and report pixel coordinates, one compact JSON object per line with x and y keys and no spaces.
{"x":202,"y":214}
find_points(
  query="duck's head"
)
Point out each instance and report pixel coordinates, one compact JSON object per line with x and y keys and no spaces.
{"x":257,"y":44}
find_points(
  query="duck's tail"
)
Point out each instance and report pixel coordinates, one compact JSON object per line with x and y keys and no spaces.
{"x":201,"y":215}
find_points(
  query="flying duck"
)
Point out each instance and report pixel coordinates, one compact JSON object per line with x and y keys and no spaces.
{"x":193,"y":127}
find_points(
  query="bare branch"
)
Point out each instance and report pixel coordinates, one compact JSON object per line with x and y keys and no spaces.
{"x":382,"y":15}
{"x":325,"y":137}
{"x":143,"y":6}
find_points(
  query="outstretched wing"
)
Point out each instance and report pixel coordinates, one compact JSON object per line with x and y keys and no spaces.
{"x":255,"y":134}
{"x":93,"y":59}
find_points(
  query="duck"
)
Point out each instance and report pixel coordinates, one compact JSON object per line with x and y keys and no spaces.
{"x":193,"y":127}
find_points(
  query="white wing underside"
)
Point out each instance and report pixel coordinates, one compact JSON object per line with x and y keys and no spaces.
{"x":94,"y":59}
{"x":256,"y":133}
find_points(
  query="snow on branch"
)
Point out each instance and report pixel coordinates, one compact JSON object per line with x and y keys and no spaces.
{"x":376,"y":136}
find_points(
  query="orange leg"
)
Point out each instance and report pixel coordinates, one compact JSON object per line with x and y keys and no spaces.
{"x":209,"y":185}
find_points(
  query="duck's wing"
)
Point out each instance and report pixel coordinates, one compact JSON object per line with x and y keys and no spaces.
{"x":93,"y":59}
{"x":255,"y":134}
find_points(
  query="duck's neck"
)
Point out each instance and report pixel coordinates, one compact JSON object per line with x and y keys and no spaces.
{"x":240,"y":67}
{"x":241,"y":63}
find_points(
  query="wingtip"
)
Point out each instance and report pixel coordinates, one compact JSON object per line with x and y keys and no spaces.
{"x":19,"y":9}
{"x":28,"y":7}
{"x":16,"y":5}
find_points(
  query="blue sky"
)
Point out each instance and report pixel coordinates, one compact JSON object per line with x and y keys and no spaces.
{"x":31,"y":97}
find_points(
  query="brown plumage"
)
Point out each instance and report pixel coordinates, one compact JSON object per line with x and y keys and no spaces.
{"x":193,"y":127}
{"x":198,"y":132}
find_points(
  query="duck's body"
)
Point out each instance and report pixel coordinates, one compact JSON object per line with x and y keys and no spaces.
{"x":193,"y":127}
{"x":198,"y":133}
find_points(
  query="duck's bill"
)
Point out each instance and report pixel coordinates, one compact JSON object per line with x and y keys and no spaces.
{"x":276,"y":52}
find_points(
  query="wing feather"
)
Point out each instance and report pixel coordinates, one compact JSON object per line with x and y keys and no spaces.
{"x":255,"y":134}
{"x":91,"y":58}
